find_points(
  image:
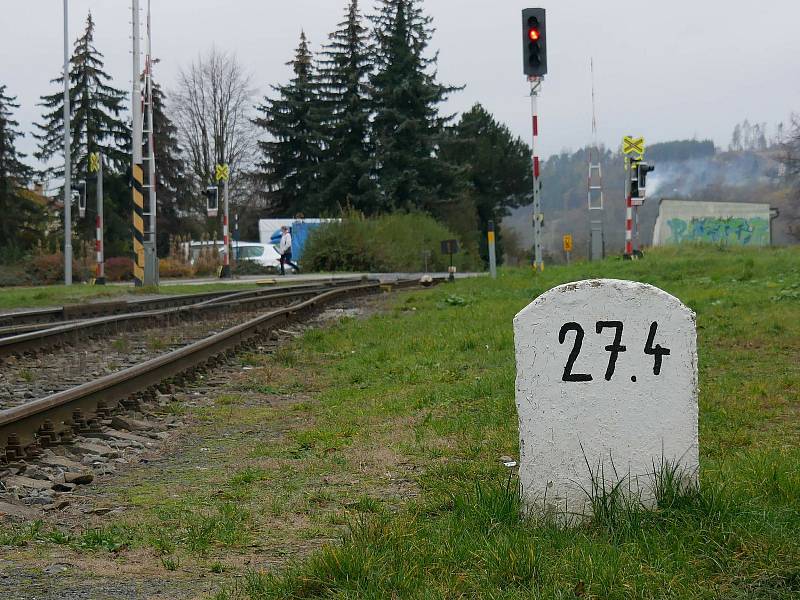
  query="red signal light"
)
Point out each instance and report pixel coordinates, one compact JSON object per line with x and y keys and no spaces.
{"x":533,"y":34}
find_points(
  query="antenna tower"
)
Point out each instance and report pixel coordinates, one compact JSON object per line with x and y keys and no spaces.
{"x":149,"y":146}
{"x":595,"y":185}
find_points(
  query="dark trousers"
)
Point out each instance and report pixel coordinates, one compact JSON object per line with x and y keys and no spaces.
{"x":286,"y":259}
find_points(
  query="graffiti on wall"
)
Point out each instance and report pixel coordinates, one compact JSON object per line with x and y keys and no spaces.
{"x":740,"y":231}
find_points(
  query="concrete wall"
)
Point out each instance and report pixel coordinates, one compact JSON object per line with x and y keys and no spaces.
{"x":735,"y":223}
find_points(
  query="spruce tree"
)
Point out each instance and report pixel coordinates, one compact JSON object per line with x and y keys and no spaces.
{"x":406,"y":96}
{"x":346,"y":178}
{"x":291,"y":154}
{"x":22,"y":219}
{"x":496,"y":166}
{"x":95,"y":126}
{"x":95,"y":112}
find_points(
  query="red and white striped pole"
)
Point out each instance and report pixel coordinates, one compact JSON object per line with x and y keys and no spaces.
{"x":100,"y":271}
{"x":538,"y":217}
{"x":629,"y":224}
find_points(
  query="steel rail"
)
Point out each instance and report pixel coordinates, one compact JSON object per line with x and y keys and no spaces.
{"x":54,"y":417}
{"x":74,"y":312}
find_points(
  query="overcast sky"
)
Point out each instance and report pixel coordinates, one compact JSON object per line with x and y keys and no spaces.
{"x":665,"y":70}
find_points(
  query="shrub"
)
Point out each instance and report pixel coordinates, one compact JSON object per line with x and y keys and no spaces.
{"x":119,"y":268}
{"x":396,"y":242}
{"x":170,"y":267}
{"x":47,"y":269}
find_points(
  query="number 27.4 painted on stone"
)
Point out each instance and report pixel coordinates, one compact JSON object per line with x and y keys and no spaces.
{"x":614,"y":349}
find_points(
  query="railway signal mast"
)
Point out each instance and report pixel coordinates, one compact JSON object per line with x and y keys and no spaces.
{"x":636,"y":170}
{"x":534,"y":56}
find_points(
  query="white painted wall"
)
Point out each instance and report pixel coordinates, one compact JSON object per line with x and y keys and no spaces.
{"x":564,"y":424}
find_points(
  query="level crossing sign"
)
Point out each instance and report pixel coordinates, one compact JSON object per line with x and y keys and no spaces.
{"x":632,"y":145}
{"x":94,"y":162}
{"x":223,"y":172}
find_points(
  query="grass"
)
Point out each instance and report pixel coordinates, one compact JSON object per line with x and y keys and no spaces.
{"x":440,"y":366}
{"x":375,"y":468}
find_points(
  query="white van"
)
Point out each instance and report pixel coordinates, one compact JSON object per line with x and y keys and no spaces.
{"x":265,"y":255}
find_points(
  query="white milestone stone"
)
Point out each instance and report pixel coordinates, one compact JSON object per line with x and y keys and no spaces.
{"x":582,"y":426}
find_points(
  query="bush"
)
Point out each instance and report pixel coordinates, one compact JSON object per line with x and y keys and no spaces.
{"x":170,"y":267}
{"x":396,"y":242}
{"x":47,"y":269}
{"x":119,"y":268}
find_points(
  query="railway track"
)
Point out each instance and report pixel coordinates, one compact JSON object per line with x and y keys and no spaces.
{"x":28,"y":428}
{"x":77,"y":312}
{"x":19,"y":339}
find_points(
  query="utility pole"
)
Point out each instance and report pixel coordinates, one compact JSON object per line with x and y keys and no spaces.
{"x":137,"y":174}
{"x":534,"y":56}
{"x":67,"y":158}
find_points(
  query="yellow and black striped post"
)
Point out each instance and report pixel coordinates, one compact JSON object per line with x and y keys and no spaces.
{"x":138,"y":225}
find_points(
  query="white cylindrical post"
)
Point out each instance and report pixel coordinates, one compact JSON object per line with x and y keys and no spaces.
{"x":538,"y":217}
{"x":67,"y":158}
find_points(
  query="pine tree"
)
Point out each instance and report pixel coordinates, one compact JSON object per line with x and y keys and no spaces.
{"x":406,"y":95}
{"x":95,"y":112}
{"x":291,"y":155}
{"x":346,"y":167}
{"x":22,"y":219}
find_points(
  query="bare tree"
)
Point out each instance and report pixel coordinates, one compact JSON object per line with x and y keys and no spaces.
{"x":212,"y":107}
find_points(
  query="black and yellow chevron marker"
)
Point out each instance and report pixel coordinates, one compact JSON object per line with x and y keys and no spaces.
{"x":138,"y":225}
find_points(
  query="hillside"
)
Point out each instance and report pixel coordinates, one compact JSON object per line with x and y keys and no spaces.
{"x":685,"y":170}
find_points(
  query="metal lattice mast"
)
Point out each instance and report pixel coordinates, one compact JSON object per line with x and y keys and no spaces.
{"x":595,"y":184}
{"x":151,"y":156}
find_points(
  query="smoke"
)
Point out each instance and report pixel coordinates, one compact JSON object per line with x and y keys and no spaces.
{"x":687,"y":178}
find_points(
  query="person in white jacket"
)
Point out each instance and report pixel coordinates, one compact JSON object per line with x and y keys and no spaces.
{"x":285,"y":250}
